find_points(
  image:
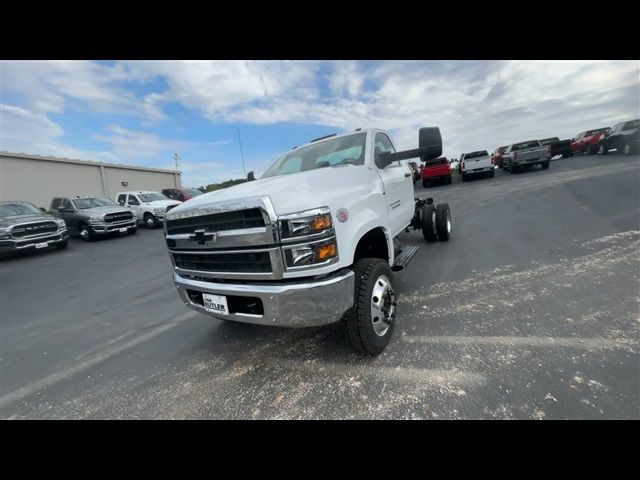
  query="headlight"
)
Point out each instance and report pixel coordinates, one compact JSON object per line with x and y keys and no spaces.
{"x":95,"y":220}
{"x":309,"y":222}
{"x":4,"y":232}
{"x":60,"y":222}
{"x":311,"y":254}
{"x":158,"y":211}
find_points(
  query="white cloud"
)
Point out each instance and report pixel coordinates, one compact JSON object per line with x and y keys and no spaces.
{"x":52,"y":86}
{"x":476,"y":104}
{"x":19,"y":124}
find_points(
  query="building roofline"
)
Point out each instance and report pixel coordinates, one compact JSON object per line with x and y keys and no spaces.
{"x":4,"y":153}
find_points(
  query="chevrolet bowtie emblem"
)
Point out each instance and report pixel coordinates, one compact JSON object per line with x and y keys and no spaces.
{"x":202,"y":237}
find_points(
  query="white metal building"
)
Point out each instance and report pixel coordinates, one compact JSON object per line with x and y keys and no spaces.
{"x":38,"y":179}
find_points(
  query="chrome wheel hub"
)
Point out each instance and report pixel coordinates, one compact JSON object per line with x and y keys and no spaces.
{"x":383,"y":305}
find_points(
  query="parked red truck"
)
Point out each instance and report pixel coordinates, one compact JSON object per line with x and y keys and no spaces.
{"x":587,"y":142}
{"x":497,"y":157}
{"x":438,"y":169}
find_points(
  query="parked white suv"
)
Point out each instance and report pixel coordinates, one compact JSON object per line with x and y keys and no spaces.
{"x":150,"y":207}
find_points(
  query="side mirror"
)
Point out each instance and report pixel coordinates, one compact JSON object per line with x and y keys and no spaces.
{"x":383,"y":159}
{"x":42,"y":209}
{"x":250,"y":177}
{"x":430,"y":141}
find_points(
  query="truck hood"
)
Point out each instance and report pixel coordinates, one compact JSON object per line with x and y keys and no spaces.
{"x":290,"y":193}
{"x":34,"y":217}
{"x":163,"y":203}
{"x":103,"y":210}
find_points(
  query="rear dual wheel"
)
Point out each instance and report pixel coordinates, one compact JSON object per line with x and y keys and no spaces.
{"x":436,"y":222}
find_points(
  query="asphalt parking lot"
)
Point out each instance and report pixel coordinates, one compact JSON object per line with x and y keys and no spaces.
{"x":531,"y":311}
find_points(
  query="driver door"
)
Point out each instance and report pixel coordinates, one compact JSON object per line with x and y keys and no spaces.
{"x":398,"y":186}
{"x":133,"y":202}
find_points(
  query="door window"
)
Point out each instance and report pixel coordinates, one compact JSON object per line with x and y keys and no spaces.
{"x":133,"y":200}
{"x":122,"y":199}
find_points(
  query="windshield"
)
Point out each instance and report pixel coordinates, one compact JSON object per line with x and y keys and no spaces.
{"x":152,"y":197}
{"x":194,"y":192}
{"x":347,"y":150}
{"x":595,"y":132}
{"x":480,"y":153}
{"x":16,"y":209}
{"x":525,"y":145}
{"x":92,"y":202}
{"x":547,"y":141}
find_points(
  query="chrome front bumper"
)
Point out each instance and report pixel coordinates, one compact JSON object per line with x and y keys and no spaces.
{"x":16,"y":244}
{"x":300,"y":304}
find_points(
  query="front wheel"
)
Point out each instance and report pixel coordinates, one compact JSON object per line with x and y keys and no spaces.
{"x":149,"y":220}
{"x":544,"y":165}
{"x":602,"y":150}
{"x":85,"y":232}
{"x":626,"y":149}
{"x":132,"y":231}
{"x":63,"y":245}
{"x":370,"y":322}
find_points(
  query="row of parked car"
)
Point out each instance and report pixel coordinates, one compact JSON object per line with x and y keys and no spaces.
{"x":23,"y":226}
{"x":624,"y":137}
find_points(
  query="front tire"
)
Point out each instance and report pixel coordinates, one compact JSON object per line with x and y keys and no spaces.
{"x":370,"y":322}
{"x":85,"y":232}
{"x":132,"y":231}
{"x":602,"y":150}
{"x":429,"y":221}
{"x":626,"y":149}
{"x":63,"y":245}
{"x":544,"y":165}
{"x":149,"y":221}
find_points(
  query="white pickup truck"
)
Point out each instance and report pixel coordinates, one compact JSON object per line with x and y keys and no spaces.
{"x":522,"y":154}
{"x":149,"y":207}
{"x":476,"y":163}
{"x":313,"y":241}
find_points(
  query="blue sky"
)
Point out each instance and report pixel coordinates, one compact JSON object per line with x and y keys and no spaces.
{"x":137,"y":112}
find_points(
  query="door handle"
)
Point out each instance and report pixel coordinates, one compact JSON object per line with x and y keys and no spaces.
{"x":407,"y":175}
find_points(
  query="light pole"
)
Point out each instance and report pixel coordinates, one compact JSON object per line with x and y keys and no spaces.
{"x":176,"y":158}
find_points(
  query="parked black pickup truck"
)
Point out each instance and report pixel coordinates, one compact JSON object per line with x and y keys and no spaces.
{"x":558,"y":147}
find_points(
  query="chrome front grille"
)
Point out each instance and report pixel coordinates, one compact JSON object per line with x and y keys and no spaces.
{"x":38,"y":228}
{"x":118,"y":217}
{"x":218,"y":222}
{"x":219,"y":241}
{"x":250,"y":262}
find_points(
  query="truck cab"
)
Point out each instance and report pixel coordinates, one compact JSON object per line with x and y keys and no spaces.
{"x":150,"y":207}
{"x":313,"y":241}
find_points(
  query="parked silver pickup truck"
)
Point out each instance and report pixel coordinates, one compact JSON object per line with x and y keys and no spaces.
{"x":526,"y":153}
